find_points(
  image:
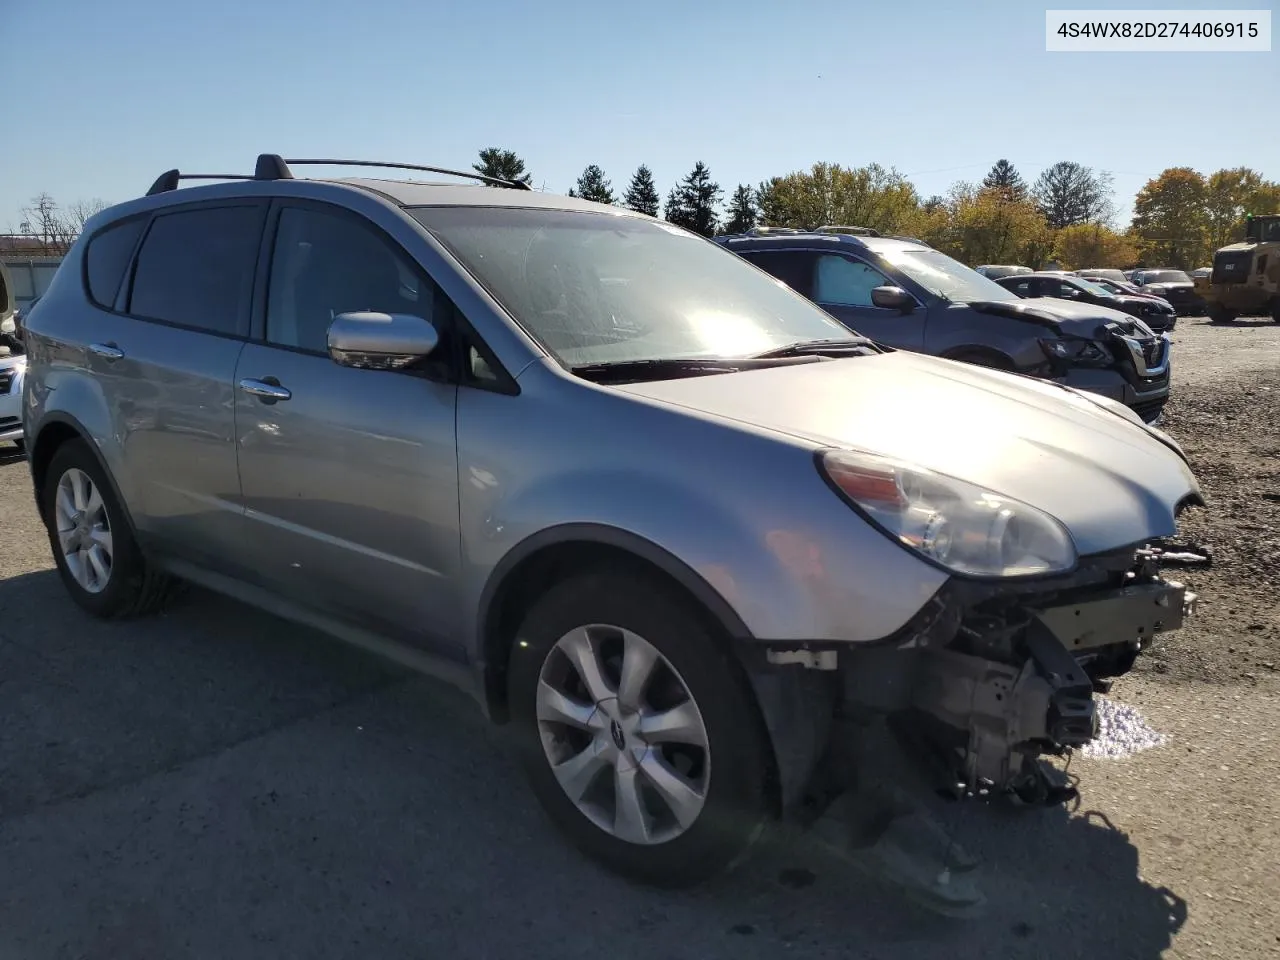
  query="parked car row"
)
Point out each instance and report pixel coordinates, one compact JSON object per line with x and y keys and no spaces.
{"x":1175,"y":287}
{"x":669,"y":514}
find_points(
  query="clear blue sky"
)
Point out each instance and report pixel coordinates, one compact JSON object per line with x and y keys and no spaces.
{"x":103,"y":95}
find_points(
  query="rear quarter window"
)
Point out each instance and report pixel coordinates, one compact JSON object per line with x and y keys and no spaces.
{"x":107,"y":258}
{"x":195,"y":268}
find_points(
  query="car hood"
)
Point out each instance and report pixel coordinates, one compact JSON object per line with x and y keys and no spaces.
{"x":1111,"y":481}
{"x":1071,"y":319}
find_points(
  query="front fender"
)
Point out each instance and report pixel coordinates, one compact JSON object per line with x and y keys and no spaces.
{"x":757,"y":589}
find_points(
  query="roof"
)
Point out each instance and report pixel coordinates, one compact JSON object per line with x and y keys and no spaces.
{"x":789,"y":241}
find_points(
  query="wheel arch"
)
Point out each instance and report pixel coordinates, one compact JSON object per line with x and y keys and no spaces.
{"x":58,"y":429}
{"x":554,"y":554}
{"x":981,"y":354}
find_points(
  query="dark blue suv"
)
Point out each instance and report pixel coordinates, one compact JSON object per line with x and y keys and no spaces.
{"x":904,"y":294}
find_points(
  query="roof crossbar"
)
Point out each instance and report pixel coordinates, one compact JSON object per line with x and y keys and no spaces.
{"x":279,"y":168}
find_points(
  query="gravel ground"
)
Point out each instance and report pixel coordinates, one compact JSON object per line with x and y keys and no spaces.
{"x":215,"y":783}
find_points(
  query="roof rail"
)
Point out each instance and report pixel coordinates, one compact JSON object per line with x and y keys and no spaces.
{"x":271,"y":166}
{"x":274,"y":167}
{"x":769,"y":231}
{"x":169,"y":179}
{"x":852,"y":231}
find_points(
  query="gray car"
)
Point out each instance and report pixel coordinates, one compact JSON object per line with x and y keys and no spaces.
{"x":657,"y":511}
{"x":907,"y":296}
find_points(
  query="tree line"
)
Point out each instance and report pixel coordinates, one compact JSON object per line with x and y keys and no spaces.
{"x":1066,"y":216}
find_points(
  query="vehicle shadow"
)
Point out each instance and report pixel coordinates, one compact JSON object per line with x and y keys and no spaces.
{"x":214,"y":775}
{"x":11,"y":454}
{"x":1237,"y":322}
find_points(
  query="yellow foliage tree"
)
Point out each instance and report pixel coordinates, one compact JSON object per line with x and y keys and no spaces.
{"x":986,"y":226}
{"x":1170,"y":218}
{"x":1094,"y":245}
{"x":872,"y":196}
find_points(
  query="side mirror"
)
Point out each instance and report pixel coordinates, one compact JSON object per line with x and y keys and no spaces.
{"x":380,"y":341}
{"x":893,"y":298}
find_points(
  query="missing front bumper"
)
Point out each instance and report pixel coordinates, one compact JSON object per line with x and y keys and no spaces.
{"x":989,"y":718}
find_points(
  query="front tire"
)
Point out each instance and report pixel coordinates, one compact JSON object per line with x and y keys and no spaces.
{"x":637,"y":732}
{"x":92,"y":543}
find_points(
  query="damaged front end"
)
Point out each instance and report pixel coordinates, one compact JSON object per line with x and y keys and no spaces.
{"x":1016,"y":680}
{"x":989,"y":678}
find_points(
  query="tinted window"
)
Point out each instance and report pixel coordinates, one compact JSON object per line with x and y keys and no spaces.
{"x":1022,"y":288}
{"x":326,"y":264}
{"x":846,"y":282}
{"x":794,"y":268}
{"x":107,"y":258}
{"x":195,"y":268}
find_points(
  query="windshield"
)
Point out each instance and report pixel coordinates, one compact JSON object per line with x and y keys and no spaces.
{"x":1165,"y":276}
{"x":1097,"y":289}
{"x":941,"y":275}
{"x":601,"y":288}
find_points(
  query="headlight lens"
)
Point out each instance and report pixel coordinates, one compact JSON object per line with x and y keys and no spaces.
{"x":1087,"y":353}
{"x":953,"y":523}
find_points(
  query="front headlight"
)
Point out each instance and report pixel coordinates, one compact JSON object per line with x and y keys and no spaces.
{"x":950,"y":522}
{"x":1085,"y":353}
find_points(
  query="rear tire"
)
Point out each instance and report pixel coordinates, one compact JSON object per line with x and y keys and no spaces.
{"x":92,"y":543}
{"x":652,"y":803}
{"x":1220,"y":314}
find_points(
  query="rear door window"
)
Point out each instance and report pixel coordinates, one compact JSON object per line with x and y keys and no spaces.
{"x":107,"y":258}
{"x":792,"y":267}
{"x":195,"y":268}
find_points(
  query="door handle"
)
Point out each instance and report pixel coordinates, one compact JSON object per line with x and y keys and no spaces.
{"x":107,"y":351}
{"x":265,"y":390}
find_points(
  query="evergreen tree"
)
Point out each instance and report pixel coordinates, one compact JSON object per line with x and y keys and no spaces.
{"x":692,"y":203}
{"x":742,"y":210}
{"x":1006,"y":179}
{"x":502,"y":165}
{"x":593,"y":186}
{"x":771,"y":210}
{"x":642,"y":193}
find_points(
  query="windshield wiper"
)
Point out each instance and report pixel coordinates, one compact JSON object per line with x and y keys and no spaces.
{"x":859,"y":346}
{"x":662,"y":368}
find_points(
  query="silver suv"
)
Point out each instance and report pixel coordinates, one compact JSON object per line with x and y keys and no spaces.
{"x":658,"y":511}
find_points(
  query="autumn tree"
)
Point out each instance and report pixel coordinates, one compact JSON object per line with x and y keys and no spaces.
{"x":985,"y":226}
{"x":1005,"y":180}
{"x":1094,"y":245}
{"x":502,"y":164}
{"x":1068,"y":193}
{"x":1229,"y":196}
{"x":871,"y":196}
{"x":1170,"y":217}
{"x":593,"y":186}
{"x":692,"y":203}
{"x":642,"y":193}
{"x":742,"y":210}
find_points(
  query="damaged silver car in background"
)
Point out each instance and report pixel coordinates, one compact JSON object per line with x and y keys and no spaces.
{"x":696,"y":541}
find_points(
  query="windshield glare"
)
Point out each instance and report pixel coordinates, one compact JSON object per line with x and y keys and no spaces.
{"x":941,"y":275}
{"x":1097,"y":289}
{"x":1165,"y":276}
{"x":601,"y":288}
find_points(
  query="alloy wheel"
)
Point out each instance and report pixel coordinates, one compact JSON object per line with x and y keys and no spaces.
{"x":623,"y":735}
{"x":84,"y":530}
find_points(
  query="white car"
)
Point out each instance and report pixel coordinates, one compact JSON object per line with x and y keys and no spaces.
{"x":13,"y":365}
